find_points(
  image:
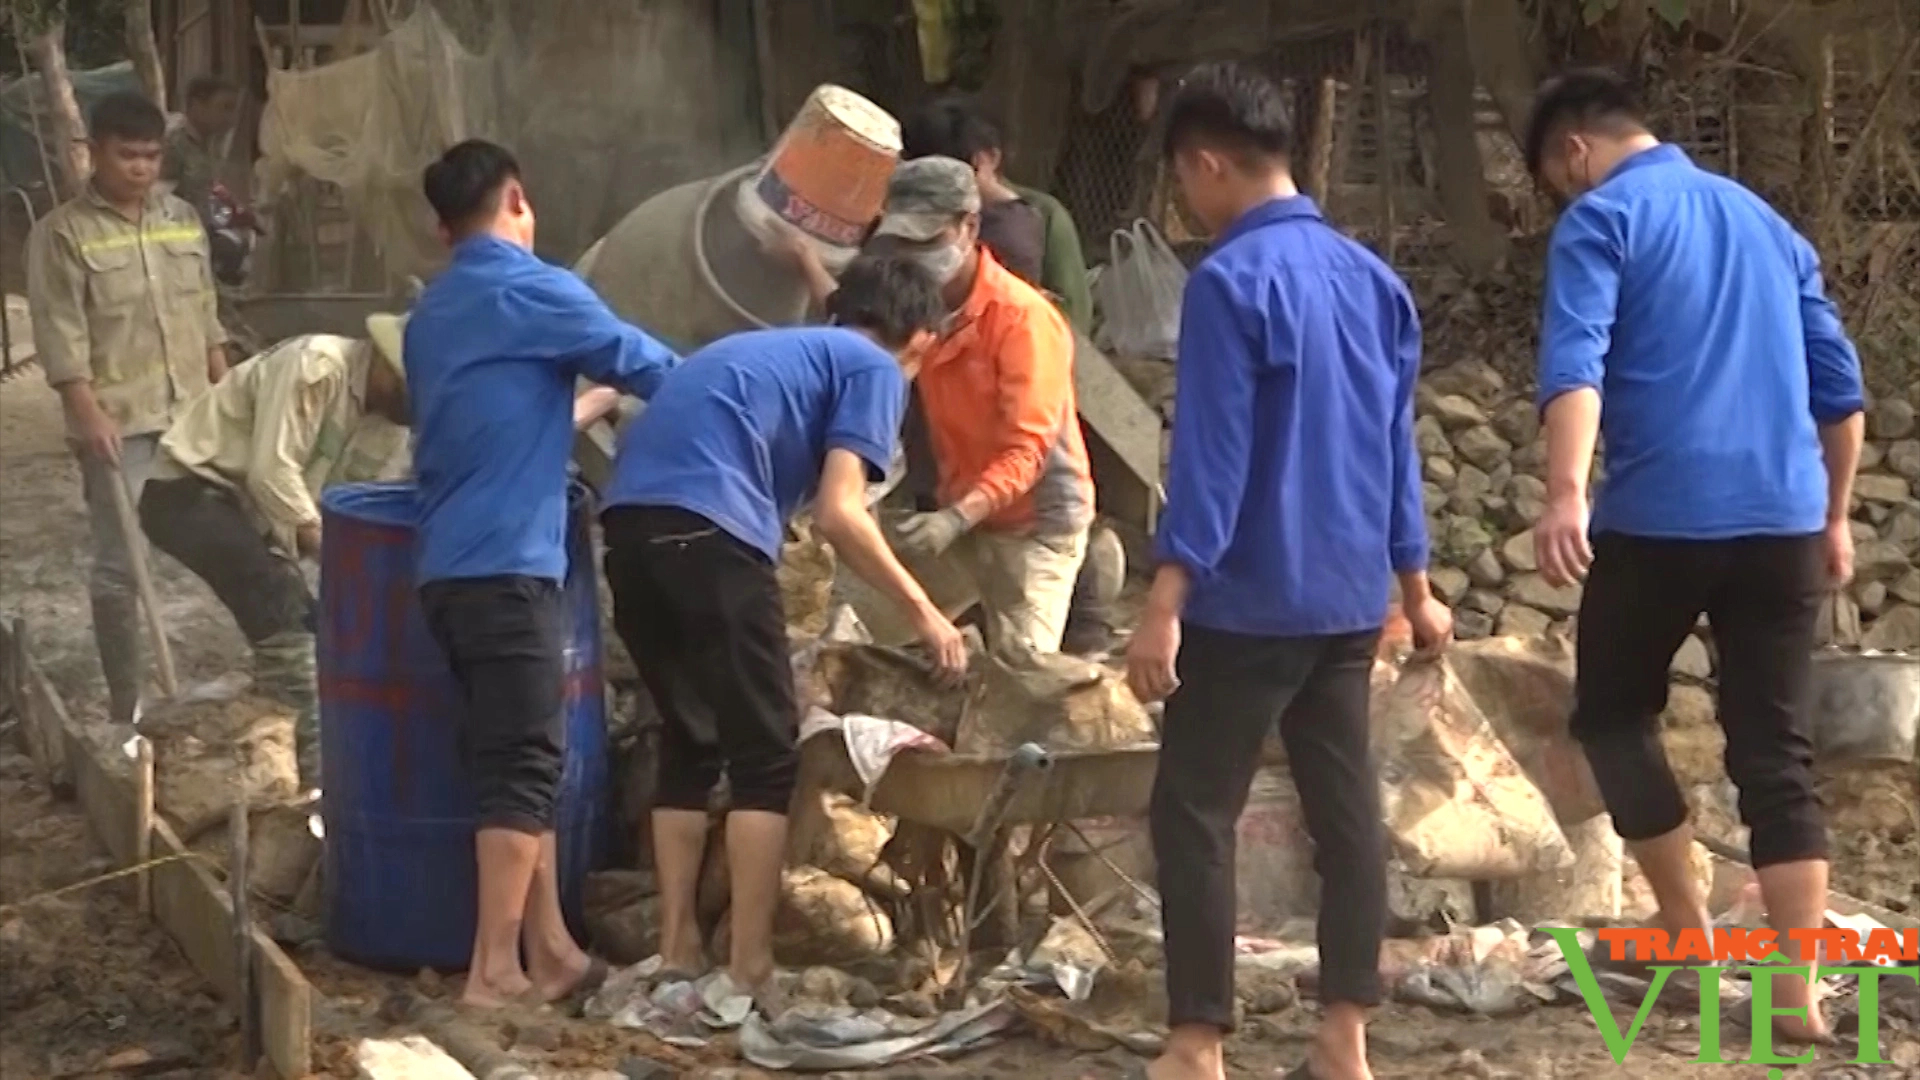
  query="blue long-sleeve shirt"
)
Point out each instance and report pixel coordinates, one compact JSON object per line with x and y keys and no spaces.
{"x":1699,"y":315}
{"x":493,"y":350}
{"x":1294,"y":492}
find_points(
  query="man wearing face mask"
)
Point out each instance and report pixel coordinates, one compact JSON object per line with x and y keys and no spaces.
{"x":1733,"y":426}
{"x":1015,"y":489}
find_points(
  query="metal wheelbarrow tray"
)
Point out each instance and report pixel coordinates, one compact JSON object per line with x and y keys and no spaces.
{"x":947,"y":791}
{"x":1866,"y":705}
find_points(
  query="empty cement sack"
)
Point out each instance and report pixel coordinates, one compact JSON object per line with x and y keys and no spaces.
{"x":212,"y":746}
{"x":1456,"y":803}
{"x":1524,"y":685}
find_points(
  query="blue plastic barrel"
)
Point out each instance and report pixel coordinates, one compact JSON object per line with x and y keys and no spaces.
{"x":397,"y":803}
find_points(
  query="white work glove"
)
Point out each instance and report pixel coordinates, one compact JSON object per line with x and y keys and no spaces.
{"x":931,"y":534}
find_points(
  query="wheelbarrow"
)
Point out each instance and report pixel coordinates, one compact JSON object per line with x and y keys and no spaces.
{"x":1866,"y":706}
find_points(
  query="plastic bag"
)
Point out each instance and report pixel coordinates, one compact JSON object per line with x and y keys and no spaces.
{"x":1456,"y":803}
{"x":1138,"y":293}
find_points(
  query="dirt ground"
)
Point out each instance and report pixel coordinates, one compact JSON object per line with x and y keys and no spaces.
{"x":88,"y":989}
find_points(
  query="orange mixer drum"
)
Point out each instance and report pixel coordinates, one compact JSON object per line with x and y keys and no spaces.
{"x":827,"y":176}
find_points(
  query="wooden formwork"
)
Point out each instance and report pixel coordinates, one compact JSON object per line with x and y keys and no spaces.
{"x":175,"y":890}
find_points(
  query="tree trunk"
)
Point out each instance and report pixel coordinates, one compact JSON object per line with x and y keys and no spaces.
{"x":65,"y":139}
{"x":1505,"y":63}
{"x":1478,"y":240}
{"x":144,"y":51}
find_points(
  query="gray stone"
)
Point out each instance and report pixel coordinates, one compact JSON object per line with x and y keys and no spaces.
{"x":1891,"y":418}
{"x":1473,"y":483}
{"x":1439,"y":470}
{"x":1431,"y":438}
{"x":1692,"y":660}
{"x":1533,"y":591}
{"x":1523,"y":486}
{"x":1877,"y":513}
{"x":1871,"y":455}
{"x":1519,"y":620}
{"x":1456,"y":412}
{"x":1879,"y":560}
{"x":1448,"y":584}
{"x":1501,"y":475}
{"x":1520,"y":514}
{"x":1896,"y":630}
{"x":1485,"y":570}
{"x":1482,"y":447}
{"x":1464,"y":538}
{"x":1907,"y":589}
{"x":1903,"y":457}
{"x":1468,"y":378}
{"x":1871,"y":596}
{"x":1870,"y":488}
{"x":1903,"y":529}
{"x":1531,"y":459}
{"x":1434,"y":497}
{"x":1518,"y":553}
{"x":1484,"y":601}
{"x":1518,"y":422}
{"x":1472,"y":625}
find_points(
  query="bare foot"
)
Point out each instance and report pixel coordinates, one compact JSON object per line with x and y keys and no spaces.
{"x":1175,"y":1066}
{"x":1327,"y":1064}
{"x":556,"y":978}
{"x":499,"y":993}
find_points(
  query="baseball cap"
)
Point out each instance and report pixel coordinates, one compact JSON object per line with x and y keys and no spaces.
{"x":926,"y":195}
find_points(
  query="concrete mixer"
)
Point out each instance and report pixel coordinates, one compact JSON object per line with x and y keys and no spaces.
{"x":684,"y":266}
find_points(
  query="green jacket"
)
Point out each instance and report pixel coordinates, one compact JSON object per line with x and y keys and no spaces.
{"x":1063,"y":267}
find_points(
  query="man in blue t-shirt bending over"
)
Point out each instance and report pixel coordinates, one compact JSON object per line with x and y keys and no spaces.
{"x":733,"y":444}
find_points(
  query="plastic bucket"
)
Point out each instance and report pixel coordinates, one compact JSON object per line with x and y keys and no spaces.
{"x":827,"y":175}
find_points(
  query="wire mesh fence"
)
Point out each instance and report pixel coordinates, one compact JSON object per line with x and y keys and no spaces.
{"x":1841,"y":159}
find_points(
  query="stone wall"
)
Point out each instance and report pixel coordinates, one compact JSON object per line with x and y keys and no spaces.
{"x":1484,"y":460}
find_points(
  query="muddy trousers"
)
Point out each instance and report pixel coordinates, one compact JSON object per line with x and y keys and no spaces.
{"x":110,"y":587}
{"x":1761,"y":596}
{"x":203,"y":526}
{"x":1233,"y":689}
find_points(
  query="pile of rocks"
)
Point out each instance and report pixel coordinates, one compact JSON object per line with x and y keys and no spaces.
{"x":1484,"y":463}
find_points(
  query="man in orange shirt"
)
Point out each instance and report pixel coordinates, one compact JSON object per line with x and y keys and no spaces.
{"x":1015,"y":488}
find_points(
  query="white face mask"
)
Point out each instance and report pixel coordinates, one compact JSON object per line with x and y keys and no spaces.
{"x":943,"y":262}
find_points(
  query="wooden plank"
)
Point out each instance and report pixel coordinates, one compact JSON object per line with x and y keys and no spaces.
{"x":43,"y":719}
{"x":106,"y":798}
{"x":195,"y":911}
{"x":187,"y":902}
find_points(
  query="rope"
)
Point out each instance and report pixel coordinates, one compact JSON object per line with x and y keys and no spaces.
{"x":92,"y":882}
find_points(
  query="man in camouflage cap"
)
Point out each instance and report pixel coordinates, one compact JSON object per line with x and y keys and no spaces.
{"x":1014,"y":494}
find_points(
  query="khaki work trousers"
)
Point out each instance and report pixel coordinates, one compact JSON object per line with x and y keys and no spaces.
{"x":1023,"y":584}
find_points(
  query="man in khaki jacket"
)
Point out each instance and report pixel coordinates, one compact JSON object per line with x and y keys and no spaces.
{"x":234,"y":494}
{"x":125,"y":323}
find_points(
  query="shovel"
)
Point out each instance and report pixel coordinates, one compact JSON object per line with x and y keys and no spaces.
{"x":143,"y":579}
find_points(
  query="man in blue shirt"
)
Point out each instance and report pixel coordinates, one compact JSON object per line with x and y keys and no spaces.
{"x":1293,"y":499}
{"x":705,"y":481}
{"x":1732,"y":417}
{"x":493,"y":349}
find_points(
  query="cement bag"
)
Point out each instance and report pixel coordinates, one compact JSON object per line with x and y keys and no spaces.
{"x":1456,"y":803}
{"x":1525,"y":688}
{"x":1139,"y":293}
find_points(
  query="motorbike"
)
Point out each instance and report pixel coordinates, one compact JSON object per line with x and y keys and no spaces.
{"x":232,"y":229}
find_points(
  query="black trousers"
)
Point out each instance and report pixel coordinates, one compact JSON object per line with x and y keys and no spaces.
{"x":1761,"y":597}
{"x":700,"y":612}
{"x":202,"y":525}
{"x":505,"y":641}
{"x":1233,"y":689}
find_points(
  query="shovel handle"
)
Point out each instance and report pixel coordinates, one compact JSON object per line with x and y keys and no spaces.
{"x":143,"y":578}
